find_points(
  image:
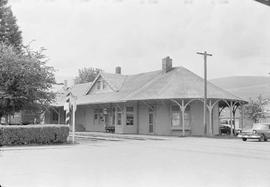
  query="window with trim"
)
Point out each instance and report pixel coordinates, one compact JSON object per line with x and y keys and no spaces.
{"x":187,"y":117}
{"x":119,"y":117}
{"x":103,"y":85}
{"x":129,"y":115}
{"x":151,"y":119}
{"x":113,"y":116}
{"x":54,"y":116}
{"x":175,"y":115}
{"x":98,"y":85}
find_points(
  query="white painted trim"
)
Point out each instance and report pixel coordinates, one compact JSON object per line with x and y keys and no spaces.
{"x":96,"y":79}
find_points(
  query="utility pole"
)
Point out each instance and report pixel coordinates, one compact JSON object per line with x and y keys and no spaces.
{"x":205,"y":54}
{"x":74,"y":108}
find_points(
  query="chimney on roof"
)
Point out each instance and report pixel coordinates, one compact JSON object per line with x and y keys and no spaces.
{"x":118,"y":70}
{"x":166,"y":64}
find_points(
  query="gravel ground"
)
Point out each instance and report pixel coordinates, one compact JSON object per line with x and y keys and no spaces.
{"x":138,"y":163}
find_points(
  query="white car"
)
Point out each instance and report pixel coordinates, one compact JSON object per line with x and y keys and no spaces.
{"x":260,"y":131}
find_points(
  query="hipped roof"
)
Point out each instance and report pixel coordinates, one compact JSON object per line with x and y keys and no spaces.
{"x":156,"y":85}
{"x":77,"y":90}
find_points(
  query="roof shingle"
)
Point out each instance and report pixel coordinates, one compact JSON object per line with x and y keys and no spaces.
{"x":177,"y":83}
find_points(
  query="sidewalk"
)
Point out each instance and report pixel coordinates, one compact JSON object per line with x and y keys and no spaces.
{"x":112,"y":136}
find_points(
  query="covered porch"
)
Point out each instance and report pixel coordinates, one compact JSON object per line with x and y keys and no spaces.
{"x":180,"y":117}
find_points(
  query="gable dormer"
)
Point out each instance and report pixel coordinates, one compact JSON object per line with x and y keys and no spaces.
{"x":107,"y":82}
{"x":100,"y":86}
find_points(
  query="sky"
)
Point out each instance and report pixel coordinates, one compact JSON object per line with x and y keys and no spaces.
{"x":137,"y":34}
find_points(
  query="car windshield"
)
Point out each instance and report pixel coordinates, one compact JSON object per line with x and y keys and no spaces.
{"x":259,"y":126}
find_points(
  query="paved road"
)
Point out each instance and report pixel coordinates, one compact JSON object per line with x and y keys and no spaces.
{"x":139,"y":163}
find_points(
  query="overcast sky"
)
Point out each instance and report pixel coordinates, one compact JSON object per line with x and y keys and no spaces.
{"x":137,"y":34}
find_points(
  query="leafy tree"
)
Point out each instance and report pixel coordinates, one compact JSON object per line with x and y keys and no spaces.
{"x":9,"y":30}
{"x":25,"y":80}
{"x":254,"y":110}
{"x":87,"y":75}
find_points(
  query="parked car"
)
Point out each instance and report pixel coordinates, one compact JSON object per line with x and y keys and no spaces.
{"x":110,"y":129}
{"x":226,"y":129}
{"x":260,"y":131}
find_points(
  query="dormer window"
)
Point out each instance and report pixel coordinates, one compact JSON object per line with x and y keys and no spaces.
{"x":104,"y":85}
{"x":98,"y":85}
{"x":101,"y":85}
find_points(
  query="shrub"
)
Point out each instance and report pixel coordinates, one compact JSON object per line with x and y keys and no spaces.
{"x":33,"y":134}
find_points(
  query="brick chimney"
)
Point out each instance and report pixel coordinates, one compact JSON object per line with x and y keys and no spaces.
{"x":166,"y":64}
{"x":118,"y":70}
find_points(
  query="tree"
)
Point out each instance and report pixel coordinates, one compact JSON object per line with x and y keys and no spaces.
{"x":87,"y":75}
{"x":9,"y":30}
{"x":25,"y":80}
{"x":254,"y":110}
{"x":266,"y":2}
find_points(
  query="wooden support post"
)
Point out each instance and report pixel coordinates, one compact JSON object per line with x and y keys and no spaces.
{"x":210,"y":122}
{"x":183,"y":117}
{"x":233,"y":121}
{"x":182,"y":107}
{"x":231,"y":108}
{"x":242,"y":117}
{"x":73,"y":124}
{"x":210,"y":110}
{"x":210,"y":117}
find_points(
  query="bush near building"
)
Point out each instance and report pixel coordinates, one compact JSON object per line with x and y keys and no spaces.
{"x":33,"y":134}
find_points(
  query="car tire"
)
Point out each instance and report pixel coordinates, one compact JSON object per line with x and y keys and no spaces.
{"x":261,"y":139}
{"x":244,"y":139}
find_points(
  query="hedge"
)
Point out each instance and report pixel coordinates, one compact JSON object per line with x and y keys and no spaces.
{"x":33,"y":134}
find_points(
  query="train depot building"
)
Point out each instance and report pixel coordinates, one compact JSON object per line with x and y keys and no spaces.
{"x":168,"y":101}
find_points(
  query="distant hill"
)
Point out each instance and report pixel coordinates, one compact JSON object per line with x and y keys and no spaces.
{"x":245,"y":86}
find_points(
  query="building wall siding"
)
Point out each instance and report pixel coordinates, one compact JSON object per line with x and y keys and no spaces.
{"x":163,"y":120}
{"x":215,"y":120}
{"x":85,"y":117}
{"x":143,"y":119}
{"x":196,"y":109}
{"x":197,"y":126}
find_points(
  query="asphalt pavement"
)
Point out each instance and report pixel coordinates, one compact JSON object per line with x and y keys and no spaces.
{"x":138,"y":162}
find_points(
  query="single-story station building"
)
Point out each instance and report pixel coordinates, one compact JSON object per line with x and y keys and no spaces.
{"x":168,"y":101}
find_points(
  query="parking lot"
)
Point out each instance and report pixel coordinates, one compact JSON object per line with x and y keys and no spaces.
{"x":137,"y":162}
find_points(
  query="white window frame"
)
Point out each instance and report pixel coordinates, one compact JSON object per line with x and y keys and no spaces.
{"x":131,"y":113}
{"x":118,"y":112}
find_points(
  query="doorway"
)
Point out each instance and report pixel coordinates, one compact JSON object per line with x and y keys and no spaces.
{"x":151,"y":119}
